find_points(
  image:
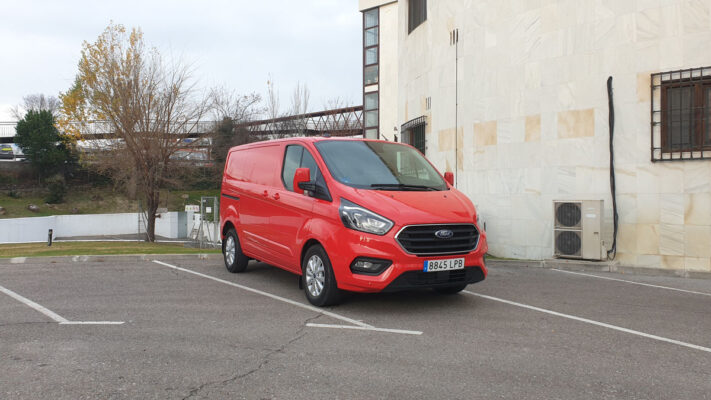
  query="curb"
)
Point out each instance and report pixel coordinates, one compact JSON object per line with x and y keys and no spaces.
{"x":107,"y":258}
{"x":595,"y":266}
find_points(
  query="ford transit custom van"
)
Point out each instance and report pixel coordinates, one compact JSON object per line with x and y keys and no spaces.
{"x":349,"y":215}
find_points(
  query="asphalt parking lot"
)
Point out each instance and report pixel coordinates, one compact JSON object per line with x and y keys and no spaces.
{"x":186,"y":328}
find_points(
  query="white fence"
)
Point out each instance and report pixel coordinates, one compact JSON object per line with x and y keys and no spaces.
{"x":173,"y":225}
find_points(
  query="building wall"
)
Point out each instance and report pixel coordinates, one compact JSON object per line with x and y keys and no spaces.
{"x":533,"y":118}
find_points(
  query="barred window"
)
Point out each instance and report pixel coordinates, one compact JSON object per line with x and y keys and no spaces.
{"x":413,"y":133}
{"x":681,"y":115}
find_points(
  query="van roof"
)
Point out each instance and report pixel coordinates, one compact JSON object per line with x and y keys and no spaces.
{"x":307,"y":139}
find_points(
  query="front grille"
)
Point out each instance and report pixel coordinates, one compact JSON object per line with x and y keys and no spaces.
{"x":421,"y":239}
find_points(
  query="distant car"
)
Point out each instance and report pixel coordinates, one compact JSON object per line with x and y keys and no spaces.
{"x":19,"y":155}
{"x":6,"y":152}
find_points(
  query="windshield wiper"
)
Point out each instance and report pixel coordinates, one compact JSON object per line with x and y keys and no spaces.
{"x":401,"y":186}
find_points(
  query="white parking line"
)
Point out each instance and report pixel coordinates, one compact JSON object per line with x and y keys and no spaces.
{"x":56,"y":317}
{"x":592,"y":322}
{"x":358,"y":324}
{"x":402,"y":331}
{"x":272,"y":296}
{"x":632,"y":282}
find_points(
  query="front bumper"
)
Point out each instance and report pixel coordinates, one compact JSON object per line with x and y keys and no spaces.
{"x":418,"y":279}
{"x":406,"y":271}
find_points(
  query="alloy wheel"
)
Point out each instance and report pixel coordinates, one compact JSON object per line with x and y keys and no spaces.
{"x":315,"y":276}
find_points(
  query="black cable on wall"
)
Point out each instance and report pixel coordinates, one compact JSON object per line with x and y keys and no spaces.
{"x":612,"y":253}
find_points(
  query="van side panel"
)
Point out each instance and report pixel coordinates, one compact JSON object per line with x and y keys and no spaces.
{"x":252,"y":174}
{"x":257,"y":165}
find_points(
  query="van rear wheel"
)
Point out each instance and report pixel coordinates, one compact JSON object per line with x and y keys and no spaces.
{"x":235,"y":260}
{"x":318,"y":280}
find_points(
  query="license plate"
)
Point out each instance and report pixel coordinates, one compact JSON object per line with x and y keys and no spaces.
{"x":444,"y":265}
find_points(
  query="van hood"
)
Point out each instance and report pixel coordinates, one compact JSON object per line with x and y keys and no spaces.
{"x":416,"y":207}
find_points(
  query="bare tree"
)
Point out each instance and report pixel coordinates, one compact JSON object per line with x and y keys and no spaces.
{"x":35,"y":102}
{"x":227,"y":103}
{"x":231,"y":111}
{"x":299,"y":106}
{"x":148,"y":103}
{"x":272,"y":110}
{"x":335,"y":103}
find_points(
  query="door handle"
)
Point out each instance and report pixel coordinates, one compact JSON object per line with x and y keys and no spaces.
{"x":265,"y":194}
{"x":276,"y":196}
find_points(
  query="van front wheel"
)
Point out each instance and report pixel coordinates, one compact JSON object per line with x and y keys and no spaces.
{"x":235,"y":260}
{"x":318,"y":279}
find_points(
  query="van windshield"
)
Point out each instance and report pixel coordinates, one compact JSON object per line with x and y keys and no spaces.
{"x":379,"y":166}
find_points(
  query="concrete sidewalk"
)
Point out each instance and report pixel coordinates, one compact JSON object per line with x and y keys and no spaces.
{"x":597,"y":266}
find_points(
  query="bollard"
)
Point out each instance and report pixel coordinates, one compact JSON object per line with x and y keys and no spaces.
{"x":49,"y":238}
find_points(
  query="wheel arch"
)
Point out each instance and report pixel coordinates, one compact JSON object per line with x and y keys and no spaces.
{"x":226,"y":228}
{"x":307,"y":245}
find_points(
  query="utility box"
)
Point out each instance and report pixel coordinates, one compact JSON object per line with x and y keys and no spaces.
{"x":577,"y":229}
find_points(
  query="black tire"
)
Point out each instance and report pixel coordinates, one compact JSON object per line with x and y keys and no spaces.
{"x":236,"y":261}
{"x":320,"y":273}
{"x":450,"y":289}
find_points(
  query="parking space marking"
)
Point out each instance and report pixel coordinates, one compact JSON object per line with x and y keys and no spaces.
{"x":51,"y":314}
{"x":358,"y":325}
{"x":592,"y":322}
{"x":56,"y":317}
{"x":632,"y":282}
{"x":361,"y":328}
{"x":272,"y":296}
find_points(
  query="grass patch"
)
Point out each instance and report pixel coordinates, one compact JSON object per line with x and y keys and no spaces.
{"x":95,"y":248}
{"x":92,"y":200}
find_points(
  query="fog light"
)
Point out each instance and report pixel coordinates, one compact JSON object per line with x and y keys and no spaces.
{"x":369,"y":266}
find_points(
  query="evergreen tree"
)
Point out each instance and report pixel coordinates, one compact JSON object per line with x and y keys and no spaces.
{"x":41,"y":142}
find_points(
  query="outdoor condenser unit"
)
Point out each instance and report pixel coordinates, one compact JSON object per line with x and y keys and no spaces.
{"x":578,"y":228}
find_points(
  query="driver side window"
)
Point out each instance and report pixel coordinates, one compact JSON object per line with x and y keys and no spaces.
{"x":298,"y":157}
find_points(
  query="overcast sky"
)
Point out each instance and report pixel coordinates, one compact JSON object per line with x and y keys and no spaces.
{"x":237,"y":44}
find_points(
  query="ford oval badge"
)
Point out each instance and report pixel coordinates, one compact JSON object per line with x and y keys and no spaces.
{"x":444,"y":234}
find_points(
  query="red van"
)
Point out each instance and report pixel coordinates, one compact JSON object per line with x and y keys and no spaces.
{"x":349,"y":214}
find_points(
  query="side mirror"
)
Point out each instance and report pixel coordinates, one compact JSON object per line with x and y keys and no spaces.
{"x":449,"y":177}
{"x":302,"y":175}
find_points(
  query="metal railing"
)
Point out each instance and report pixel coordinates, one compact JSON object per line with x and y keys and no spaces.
{"x":346,"y":121}
{"x":338,"y":122}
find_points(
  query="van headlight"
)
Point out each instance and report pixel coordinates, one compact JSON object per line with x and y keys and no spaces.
{"x":362,"y":219}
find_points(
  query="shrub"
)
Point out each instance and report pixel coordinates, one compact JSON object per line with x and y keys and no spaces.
{"x":57,"y":189}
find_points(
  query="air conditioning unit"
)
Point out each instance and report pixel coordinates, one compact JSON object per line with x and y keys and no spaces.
{"x":578,"y":228}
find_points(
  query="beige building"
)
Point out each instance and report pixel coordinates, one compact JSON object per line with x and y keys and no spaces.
{"x":512,"y":96}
